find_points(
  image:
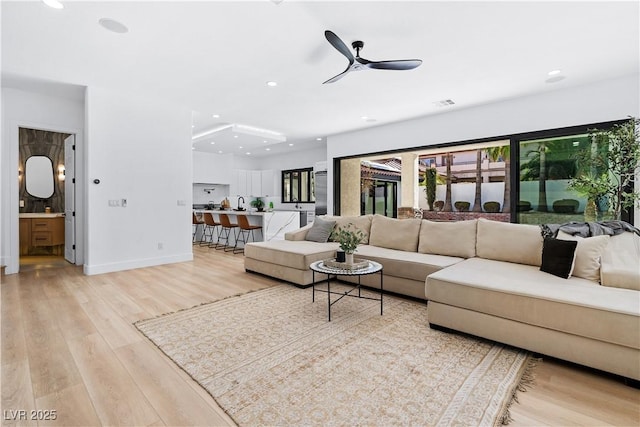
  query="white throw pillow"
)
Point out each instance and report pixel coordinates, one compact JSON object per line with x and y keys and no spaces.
{"x":588,"y":254}
{"x":621,"y":262}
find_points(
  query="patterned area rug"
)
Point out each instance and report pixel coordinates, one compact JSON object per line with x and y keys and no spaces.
{"x":271,"y":358}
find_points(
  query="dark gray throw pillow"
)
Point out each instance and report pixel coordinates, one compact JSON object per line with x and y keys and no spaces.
{"x":558,"y":257}
{"x":320,"y":230}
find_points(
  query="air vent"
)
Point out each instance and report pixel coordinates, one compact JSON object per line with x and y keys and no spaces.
{"x":444,"y":103}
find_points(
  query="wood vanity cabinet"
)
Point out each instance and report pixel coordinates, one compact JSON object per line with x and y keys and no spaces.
{"x":38,"y":232}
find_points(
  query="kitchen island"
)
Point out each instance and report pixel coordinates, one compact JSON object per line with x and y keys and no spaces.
{"x":274,"y":223}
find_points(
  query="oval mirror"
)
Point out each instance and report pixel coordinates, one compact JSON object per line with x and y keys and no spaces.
{"x":39,"y":176}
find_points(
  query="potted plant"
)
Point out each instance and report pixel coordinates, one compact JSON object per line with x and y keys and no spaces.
{"x":349,"y":238}
{"x":593,"y":187}
{"x":462,"y":206}
{"x":609,"y":167}
{"x":257,"y":203}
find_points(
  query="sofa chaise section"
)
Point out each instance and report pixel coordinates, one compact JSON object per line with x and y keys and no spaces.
{"x":574,"y":319}
{"x":287,"y":260}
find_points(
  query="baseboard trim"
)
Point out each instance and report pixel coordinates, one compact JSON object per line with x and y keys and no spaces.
{"x":91,"y":270}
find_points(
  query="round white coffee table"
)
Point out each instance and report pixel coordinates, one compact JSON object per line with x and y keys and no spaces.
{"x":320,"y":267}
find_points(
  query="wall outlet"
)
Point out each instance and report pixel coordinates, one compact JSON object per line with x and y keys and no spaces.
{"x":22,"y":203}
{"x":160,"y":246}
{"x":182,"y":203}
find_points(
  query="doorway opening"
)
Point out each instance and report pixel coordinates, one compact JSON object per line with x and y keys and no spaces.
{"x":46,"y":191}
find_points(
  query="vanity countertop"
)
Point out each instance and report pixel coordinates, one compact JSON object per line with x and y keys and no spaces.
{"x":41,"y":215}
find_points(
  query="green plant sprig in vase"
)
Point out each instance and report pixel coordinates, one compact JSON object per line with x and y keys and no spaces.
{"x":349,"y":238}
{"x":257,"y":203}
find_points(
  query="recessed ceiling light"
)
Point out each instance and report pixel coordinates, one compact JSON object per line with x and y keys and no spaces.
{"x":240,"y":147}
{"x":113,"y":25}
{"x":192,"y":126}
{"x":53,"y":3}
{"x":219,"y":151}
{"x":364,"y":118}
{"x":248,"y":153}
{"x":265,"y":141}
{"x":235,"y":136}
{"x":267,"y":149}
{"x":554,"y":72}
{"x":213,"y":142}
{"x":193,"y":148}
{"x":290,"y":145}
{"x":318,"y":139}
{"x":555,"y":79}
{"x":272,"y":84}
{"x":216,"y":116}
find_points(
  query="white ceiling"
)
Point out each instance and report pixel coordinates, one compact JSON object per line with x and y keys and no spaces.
{"x":215,"y":57}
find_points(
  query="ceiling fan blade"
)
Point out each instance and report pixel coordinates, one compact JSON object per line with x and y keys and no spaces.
{"x":339,"y":45}
{"x":338,"y":77}
{"x":404,"y":64}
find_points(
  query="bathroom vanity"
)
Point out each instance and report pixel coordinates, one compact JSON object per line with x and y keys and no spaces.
{"x":41,"y":230}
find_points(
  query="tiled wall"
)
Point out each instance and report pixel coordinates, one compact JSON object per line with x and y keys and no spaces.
{"x":41,"y":143}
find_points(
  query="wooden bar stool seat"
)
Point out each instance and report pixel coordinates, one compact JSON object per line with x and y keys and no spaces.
{"x":196,"y":222}
{"x":225,"y":232}
{"x":211,"y":226}
{"x":245,"y":227}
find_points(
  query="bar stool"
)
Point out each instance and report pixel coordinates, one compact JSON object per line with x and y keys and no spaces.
{"x":227,"y":226}
{"x":210,"y":225}
{"x":195,"y":222}
{"x":247,"y":228}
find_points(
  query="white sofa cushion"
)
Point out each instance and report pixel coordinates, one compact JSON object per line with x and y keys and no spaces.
{"x":456,"y":238}
{"x":391,"y":233}
{"x":621,"y":262}
{"x":409,"y":265}
{"x":503,"y":241}
{"x":588,"y":253}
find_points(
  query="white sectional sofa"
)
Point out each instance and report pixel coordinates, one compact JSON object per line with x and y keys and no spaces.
{"x":484,"y":278}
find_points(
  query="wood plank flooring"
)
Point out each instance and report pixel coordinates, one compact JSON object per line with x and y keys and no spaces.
{"x":68,"y":344}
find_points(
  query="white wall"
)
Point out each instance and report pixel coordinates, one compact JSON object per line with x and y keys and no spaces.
{"x":599,"y":102}
{"x":140,"y":150}
{"x":293,"y":160}
{"x":24,"y":108}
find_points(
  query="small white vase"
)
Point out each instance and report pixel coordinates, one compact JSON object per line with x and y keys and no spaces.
{"x":349,"y":258}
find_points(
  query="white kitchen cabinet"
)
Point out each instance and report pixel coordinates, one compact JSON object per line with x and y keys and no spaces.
{"x":268,"y":183}
{"x":256,"y":184}
{"x":211,"y":168}
{"x":241,"y":186}
{"x":253,"y":183}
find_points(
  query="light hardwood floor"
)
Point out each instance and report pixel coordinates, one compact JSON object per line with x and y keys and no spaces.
{"x":68,"y":344}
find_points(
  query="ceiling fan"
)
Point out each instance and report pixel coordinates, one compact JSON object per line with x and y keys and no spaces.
{"x":357,"y":63}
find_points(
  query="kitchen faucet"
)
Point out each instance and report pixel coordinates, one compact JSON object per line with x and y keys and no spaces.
{"x":240,"y":197}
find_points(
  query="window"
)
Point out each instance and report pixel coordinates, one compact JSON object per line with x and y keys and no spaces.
{"x":298,"y":186}
{"x":546,"y":168}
